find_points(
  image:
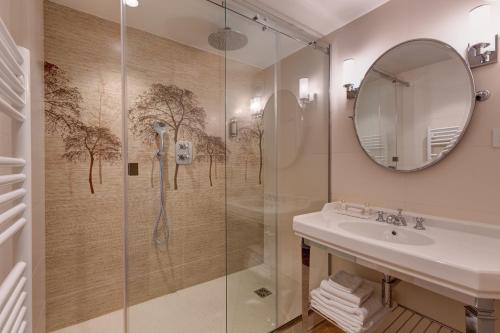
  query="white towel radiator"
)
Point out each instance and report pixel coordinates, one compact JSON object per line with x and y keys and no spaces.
{"x":375,"y":147}
{"x":443,"y":139}
{"x":15,"y":187}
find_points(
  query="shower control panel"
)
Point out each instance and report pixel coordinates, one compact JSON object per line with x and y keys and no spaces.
{"x":184,"y":152}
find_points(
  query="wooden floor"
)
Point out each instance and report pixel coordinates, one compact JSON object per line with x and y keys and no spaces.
{"x":324,"y":327}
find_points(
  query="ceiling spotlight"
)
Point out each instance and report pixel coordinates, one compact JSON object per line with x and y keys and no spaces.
{"x":132,"y":3}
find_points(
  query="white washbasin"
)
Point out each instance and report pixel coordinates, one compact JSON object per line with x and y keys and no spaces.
{"x":386,"y":233}
{"x":458,"y":256}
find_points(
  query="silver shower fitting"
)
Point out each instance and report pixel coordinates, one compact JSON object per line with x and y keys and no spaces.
{"x":161,"y":129}
{"x":161,"y":230}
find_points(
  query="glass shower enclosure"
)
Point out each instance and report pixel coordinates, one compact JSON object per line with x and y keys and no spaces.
{"x":227,"y":152}
{"x":211,"y":126}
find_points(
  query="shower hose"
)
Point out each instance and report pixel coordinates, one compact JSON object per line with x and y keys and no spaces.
{"x":161,"y":230}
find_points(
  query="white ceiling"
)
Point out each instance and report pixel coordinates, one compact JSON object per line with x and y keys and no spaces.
{"x":191,"y":21}
{"x":318,"y":16}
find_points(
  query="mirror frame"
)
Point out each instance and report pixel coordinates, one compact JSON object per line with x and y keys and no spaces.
{"x":466,"y":125}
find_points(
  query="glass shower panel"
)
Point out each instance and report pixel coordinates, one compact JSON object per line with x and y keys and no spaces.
{"x":277,"y":167}
{"x":251,"y":178}
{"x":302,"y":165}
{"x":176,"y":261}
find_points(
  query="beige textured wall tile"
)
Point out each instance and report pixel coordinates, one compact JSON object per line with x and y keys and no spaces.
{"x":70,"y":308}
{"x":85,"y":231}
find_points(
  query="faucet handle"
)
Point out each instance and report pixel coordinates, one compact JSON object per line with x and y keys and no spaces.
{"x":419,"y":225}
{"x":380,"y":217}
{"x":401,"y":217}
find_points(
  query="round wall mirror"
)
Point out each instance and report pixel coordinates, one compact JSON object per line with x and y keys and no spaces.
{"x":414,"y":105}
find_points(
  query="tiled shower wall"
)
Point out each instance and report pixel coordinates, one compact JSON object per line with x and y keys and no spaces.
{"x":84,"y":234}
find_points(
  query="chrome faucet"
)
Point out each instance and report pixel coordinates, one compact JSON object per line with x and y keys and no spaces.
{"x":393,"y":219}
{"x":419,"y":225}
{"x":397,"y":220}
{"x":401,"y":218}
{"x":380,"y":217}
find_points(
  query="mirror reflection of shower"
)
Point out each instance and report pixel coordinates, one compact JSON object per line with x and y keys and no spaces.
{"x":161,"y":230}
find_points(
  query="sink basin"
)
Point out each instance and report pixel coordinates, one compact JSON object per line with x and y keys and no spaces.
{"x":450,"y":257}
{"x":386,"y":233}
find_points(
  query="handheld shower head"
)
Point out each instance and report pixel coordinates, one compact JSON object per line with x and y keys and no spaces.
{"x":160,"y":127}
{"x":161,"y":130}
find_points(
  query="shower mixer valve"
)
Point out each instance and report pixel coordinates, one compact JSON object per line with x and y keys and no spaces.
{"x":183,"y":152}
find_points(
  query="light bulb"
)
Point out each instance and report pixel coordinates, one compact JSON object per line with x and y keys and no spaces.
{"x":481,"y":26}
{"x":255,"y":105}
{"x":304,"y":88}
{"x":348,"y":71}
{"x":132,"y":3}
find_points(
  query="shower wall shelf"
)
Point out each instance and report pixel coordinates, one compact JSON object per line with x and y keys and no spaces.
{"x":448,"y":257}
{"x":15,"y":187}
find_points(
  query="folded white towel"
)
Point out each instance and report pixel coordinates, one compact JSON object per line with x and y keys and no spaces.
{"x":346,"y":323}
{"x":363,"y":313}
{"x":354,"y":299}
{"x":345,"y":281}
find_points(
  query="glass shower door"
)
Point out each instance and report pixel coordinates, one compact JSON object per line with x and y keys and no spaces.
{"x":251,"y":178}
{"x":175,"y":87}
{"x":276,"y":167}
{"x":221,"y":154}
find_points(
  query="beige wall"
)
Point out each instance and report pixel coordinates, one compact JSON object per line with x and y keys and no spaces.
{"x":466,"y":184}
{"x":24,"y":19}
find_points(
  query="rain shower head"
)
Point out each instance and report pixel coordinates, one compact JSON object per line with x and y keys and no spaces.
{"x":227,"y":39}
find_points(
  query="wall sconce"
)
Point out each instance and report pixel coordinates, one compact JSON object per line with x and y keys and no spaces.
{"x":132,"y":3}
{"x":348,"y":70}
{"x":233,"y":128}
{"x":304,"y":94}
{"x":483,"y":46}
{"x":256,"y":106}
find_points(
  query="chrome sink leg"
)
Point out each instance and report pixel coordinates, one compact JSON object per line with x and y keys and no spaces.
{"x":480,"y":317}
{"x":306,"y":260}
{"x":388,"y":282}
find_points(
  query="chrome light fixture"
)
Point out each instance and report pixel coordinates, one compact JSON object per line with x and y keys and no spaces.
{"x":233,"y":128}
{"x":483,"y":46}
{"x":348,"y":70}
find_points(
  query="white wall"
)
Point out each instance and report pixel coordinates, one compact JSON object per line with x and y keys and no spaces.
{"x":24,"y":19}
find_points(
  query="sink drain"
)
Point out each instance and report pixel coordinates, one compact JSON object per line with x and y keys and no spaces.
{"x":263,"y":292}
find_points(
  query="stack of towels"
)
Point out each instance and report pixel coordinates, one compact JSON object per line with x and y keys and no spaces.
{"x":349,"y":301}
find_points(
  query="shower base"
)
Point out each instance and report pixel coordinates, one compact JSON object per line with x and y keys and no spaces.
{"x":200,"y":308}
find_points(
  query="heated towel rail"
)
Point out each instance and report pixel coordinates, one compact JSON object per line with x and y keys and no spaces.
{"x":441,"y":140}
{"x":15,"y":187}
{"x":375,"y":147}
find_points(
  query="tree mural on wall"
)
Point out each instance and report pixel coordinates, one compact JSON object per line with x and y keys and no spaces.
{"x":98,"y":120}
{"x":254,"y":134}
{"x":83,"y":141}
{"x":176,"y":107}
{"x":62,"y":102}
{"x":87,"y":143}
{"x":212,"y":150}
{"x":247,"y":154}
